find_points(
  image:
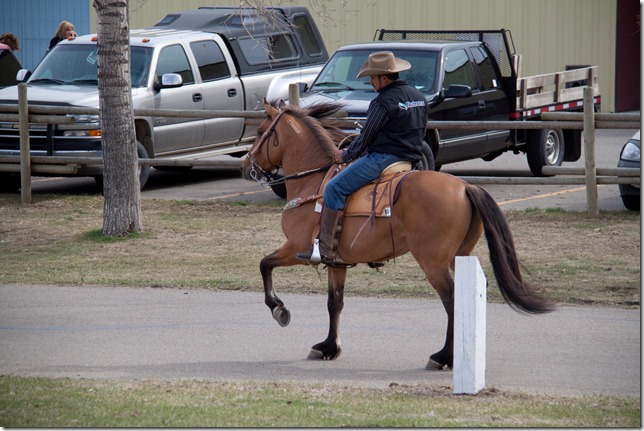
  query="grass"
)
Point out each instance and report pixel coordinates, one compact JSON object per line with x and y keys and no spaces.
{"x":36,"y":402}
{"x":567,"y":256}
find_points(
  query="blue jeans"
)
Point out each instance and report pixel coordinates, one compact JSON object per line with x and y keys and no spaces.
{"x":360,"y":172}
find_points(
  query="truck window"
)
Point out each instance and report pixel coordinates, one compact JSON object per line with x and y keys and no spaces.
{"x":458,"y":70}
{"x":486,"y":70}
{"x":307,"y":35}
{"x":267,"y":49}
{"x":172,"y":59}
{"x":210,"y":60}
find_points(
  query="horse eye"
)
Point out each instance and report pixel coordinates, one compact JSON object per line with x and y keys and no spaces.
{"x":259,"y":133}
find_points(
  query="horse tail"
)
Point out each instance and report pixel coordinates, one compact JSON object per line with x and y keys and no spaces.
{"x":505,"y":263}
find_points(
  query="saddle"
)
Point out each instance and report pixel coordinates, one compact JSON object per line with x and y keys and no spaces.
{"x":377,"y":198}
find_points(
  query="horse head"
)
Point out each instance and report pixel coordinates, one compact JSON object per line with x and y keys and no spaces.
{"x":292,"y":139}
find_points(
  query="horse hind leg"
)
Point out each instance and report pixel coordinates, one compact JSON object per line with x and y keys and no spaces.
{"x":438,"y":275}
{"x":329,"y":349}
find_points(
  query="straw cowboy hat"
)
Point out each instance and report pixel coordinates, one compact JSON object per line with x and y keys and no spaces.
{"x":383,"y":63}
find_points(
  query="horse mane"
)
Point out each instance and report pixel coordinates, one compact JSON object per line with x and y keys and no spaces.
{"x":326,"y":133}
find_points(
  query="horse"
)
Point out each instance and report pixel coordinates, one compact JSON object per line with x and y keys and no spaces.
{"x":436,"y":217}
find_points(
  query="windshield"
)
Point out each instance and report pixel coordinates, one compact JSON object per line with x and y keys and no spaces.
{"x":77,"y":65}
{"x":341,"y":70}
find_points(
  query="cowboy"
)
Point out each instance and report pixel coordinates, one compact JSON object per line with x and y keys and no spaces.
{"x":393,"y":132}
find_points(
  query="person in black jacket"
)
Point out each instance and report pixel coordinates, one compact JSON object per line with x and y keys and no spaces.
{"x":65,"y":31}
{"x":393,"y":132}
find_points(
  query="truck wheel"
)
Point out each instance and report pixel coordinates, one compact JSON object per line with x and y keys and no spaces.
{"x":428,"y":158}
{"x":279,"y":189}
{"x":9,"y":183}
{"x":545,"y":147}
{"x":572,"y":138}
{"x":144,"y":170}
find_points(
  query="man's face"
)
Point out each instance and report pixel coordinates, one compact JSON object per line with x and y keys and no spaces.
{"x":378,"y":82}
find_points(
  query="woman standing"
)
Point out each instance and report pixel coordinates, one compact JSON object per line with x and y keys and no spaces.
{"x":65,"y":31}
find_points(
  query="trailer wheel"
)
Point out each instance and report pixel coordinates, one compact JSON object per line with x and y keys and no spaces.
{"x":144,"y":170}
{"x":545,"y":147}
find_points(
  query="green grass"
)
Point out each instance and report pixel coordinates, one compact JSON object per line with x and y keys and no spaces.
{"x":27,"y":402}
{"x":567,"y":256}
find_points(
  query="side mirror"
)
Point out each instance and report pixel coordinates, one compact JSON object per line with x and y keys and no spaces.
{"x":169,"y":80}
{"x":303,"y":86}
{"x":457,"y":91}
{"x":23,"y":75}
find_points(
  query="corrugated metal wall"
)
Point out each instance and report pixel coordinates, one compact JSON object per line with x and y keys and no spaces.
{"x":34,"y":22}
{"x":550,"y":34}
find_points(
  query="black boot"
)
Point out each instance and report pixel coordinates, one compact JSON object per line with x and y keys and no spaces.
{"x":330,"y":228}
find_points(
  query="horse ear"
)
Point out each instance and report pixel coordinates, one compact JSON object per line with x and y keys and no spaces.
{"x":282,"y":104}
{"x":270,"y":110}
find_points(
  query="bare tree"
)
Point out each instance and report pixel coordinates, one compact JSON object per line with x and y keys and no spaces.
{"x":121,"y":187}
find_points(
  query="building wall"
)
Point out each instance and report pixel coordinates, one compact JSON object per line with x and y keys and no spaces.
{"x":34,"y":22}
{"x":549,"y":34}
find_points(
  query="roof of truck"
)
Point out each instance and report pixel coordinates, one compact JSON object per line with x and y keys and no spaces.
{"x":231,"y":22}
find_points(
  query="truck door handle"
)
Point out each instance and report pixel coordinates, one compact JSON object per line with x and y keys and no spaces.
{"x":232,"y":92}
{"x":196,"y":97}
{"x":481,"y":104}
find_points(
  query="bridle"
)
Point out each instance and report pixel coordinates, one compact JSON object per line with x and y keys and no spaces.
{"x":272,"y":178}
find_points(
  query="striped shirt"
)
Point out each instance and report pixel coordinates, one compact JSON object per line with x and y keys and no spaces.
{"x":376,"y":119}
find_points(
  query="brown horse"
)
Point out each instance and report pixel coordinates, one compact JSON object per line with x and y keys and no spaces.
{"x":436,"y":217}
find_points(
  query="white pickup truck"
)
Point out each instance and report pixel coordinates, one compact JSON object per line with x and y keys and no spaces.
{"x":204,"y":59}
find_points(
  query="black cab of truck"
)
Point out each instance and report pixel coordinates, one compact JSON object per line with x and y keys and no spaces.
{"x":288,"y":36}
{"x":443,"y":70}
{"x":9,"y":67}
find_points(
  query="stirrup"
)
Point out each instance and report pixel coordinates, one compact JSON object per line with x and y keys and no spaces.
{"x":313,"y":255}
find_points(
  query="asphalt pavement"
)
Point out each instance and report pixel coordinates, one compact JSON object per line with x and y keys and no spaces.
{"x":138,"y":333}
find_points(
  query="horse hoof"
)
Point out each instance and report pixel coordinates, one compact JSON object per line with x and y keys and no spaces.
{"x":282,"y":315}
{"x":315,"y":354}
{"x":433,"y":365}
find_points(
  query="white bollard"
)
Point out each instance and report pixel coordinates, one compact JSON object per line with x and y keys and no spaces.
{"x":470,"y":296}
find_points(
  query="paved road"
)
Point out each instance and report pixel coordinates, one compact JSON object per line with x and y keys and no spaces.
{"x":167,"y":333}
{"x":126,"y":333}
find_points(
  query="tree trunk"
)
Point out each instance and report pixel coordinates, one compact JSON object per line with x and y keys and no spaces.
{"x":121,"y":189}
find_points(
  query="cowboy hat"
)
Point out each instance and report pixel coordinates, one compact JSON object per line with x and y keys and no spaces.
{"x":383,"y":63}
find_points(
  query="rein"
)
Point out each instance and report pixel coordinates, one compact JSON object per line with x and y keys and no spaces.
{"x":271,"y":178}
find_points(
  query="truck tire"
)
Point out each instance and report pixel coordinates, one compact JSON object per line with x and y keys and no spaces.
{"x":144,"y":170}
{"x":545,"y":147}
{"x":572,"y":138}
{"x":279,"y":189}
{"x":428,"y":158}
{"x":9,"y":183}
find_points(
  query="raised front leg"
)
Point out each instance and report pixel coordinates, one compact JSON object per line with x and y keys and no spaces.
{"x":280,"y":257}
{"x":329,"y":349}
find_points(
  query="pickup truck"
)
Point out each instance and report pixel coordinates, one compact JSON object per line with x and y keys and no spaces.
{"x":466,"y":76}
{"x":209,"y":58}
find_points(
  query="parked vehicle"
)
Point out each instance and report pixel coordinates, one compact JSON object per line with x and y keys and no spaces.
{"x":205,"y":59}
{"x":467,"y":76}
{"x":9,"y":67}
{"x":630,"y":158}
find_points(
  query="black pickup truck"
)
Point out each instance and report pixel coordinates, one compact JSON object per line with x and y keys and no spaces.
{"x":466,"y":76}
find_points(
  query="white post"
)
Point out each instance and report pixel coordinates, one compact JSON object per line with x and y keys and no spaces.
{"x":470,"y":296}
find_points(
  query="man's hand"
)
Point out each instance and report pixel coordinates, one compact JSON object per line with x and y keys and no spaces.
{"x":337,"y":156}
